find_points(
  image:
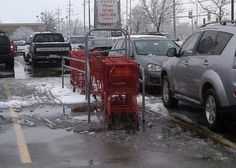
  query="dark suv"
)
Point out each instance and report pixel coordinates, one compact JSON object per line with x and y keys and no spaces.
{"x":6,"y":56}
{"x":204,"y":72}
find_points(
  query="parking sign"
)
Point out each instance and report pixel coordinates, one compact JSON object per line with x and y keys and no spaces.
{"x":107,"y":14}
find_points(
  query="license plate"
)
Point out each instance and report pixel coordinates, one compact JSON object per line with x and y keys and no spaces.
{"x":54,"y":56}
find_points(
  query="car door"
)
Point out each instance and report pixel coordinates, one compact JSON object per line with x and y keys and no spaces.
{"x":179,"y":69}
{"x":199,"y":63}
{"x":207,"y":55}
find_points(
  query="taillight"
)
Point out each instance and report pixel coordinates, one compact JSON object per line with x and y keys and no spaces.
{"x":234,"y":93}
{"x":70,"y":47}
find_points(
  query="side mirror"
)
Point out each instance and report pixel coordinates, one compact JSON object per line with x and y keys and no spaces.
{"x":171,"y":52}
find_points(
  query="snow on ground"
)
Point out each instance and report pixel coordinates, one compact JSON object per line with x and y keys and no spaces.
{"x":50,"y":91}
{"x":46,"y":92}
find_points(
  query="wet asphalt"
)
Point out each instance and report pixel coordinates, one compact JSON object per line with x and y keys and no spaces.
{"x":59,"y":135}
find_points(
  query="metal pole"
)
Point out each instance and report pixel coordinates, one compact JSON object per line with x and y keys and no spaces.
{"x":143,"y":100}
{"x":192,"y":23}
{"x":126,"y":15}
{"x":174,"y":20}
{"x":62,"y":71}
{"x":130,"y":18}
{"x":232,"y":9}
{"x":87,"y":73}
{"x":84,"y":16}
{"x":196,"y":13}
{"x":89,"y":14}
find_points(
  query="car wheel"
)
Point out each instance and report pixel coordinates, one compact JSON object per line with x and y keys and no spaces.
{"x":212,"y":110}
{"x":168,"y":100}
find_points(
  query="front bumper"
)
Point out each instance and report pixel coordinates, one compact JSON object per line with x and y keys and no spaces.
{"x":153,"y":79}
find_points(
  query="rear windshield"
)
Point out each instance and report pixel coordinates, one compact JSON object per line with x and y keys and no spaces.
{"x":153,"y":47}
{"x":100,"y":43}
{"x":19,"y":43}
{"x":48,"y":38}
{"x":77,"y":40}
{"x":4,"y":40}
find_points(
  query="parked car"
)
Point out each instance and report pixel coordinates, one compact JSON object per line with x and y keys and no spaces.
{"x":203,"y":72}
{"x":6,"y":52}
{"x":46,"y":47}
{"x":27,"y":48}
{"x":20,"y":47}
{"x":75,"y":41}
{"x":149,"y":51}
{"x":100,"y":44}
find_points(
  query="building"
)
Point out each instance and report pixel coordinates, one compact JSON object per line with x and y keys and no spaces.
{"x":10,"y":28}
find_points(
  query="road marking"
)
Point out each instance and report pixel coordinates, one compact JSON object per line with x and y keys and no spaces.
{"x":21,"y":143}
{"x":203,"y":131}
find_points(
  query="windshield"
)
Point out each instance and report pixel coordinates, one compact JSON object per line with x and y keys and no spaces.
{"x":49,"y":38}
{"x":77,"y":40}
{"x":153,"y":47}
{"x":101,"y":43}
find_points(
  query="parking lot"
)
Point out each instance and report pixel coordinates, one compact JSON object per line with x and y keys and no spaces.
{"x":43,"y":125}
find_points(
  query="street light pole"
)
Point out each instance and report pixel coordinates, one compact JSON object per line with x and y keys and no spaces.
{"x":174,"y":20}
{"x":126,"y":15}
{"x":84,"y":16}
{"x":232,"y":9}
{"x":89,"y":14}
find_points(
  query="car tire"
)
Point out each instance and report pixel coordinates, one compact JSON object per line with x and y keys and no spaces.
{"x":212,"y":110}
{"x":168,"y":100}
{"x":26,"y":58}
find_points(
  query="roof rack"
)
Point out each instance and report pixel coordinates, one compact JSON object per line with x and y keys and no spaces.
{"x":222,"y":22}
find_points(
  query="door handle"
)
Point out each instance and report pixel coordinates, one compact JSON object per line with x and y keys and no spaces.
{"x":206,"y":62}
{"x":185,"y":62}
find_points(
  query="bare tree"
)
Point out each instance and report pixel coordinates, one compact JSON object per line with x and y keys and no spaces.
{"x":22,"y":33}
{"x":77,"y":27}
{"x":215,"y":7}
{"x":158,"y":11}
{"x":139,"y":20}
{"x":50,"y":21}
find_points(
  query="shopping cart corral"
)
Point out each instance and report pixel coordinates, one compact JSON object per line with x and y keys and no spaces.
{"x":113,"y":80}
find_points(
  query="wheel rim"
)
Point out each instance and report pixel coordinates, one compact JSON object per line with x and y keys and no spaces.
{"x":165,"y":92}
{"x":210,"y":109}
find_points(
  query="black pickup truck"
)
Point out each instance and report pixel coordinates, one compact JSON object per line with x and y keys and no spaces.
{"x":46,"y":47}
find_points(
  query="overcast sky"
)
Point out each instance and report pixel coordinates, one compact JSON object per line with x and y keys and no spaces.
{"x":25,"y":11}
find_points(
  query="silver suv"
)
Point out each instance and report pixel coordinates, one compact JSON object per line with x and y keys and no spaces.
{"x":204,"y":72}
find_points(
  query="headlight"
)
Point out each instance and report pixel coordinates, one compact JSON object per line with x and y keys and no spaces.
{"x":153,"y":67}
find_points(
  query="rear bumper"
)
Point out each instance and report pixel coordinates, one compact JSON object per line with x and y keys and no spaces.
{"x":6,"y":58}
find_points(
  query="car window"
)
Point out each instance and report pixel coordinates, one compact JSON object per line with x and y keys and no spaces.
{"x":130,"y":49}
{"x":206,"y":43}
{"x":48,"y":38}
{"x":76,"y":40}
{"x":221,"y":41}
{"x":119,"y":44}
{"x":153,"y":46}
{"x":188,"y":47}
